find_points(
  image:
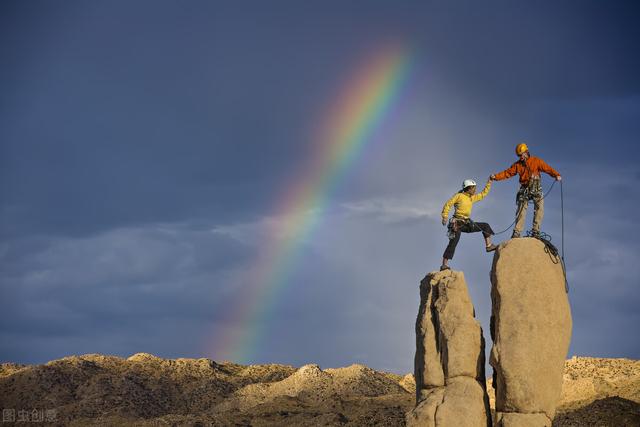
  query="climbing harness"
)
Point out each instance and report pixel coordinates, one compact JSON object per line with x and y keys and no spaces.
{"x":454,"y":225}
{"x":530,"y":192}
{"x":525,"y":194}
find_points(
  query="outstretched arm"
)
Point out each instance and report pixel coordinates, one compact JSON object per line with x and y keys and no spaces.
{"x":483,"y":194}
{"x":507,"y":173}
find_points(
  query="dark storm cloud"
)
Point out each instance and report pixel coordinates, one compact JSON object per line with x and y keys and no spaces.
{"x":511,"y":52}
{"x":126,"y":113}
{"x":124,"y":118}
{"x":132,"y":282}
{"x":142,"y":147}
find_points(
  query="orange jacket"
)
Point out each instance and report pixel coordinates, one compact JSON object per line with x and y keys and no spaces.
{"x":526,"y":170}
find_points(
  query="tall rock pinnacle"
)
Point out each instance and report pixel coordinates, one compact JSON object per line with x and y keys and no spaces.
{"x":449,"y":360}
{"x":531,"y":330}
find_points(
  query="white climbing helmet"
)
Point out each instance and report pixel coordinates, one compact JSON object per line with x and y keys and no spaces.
{"x":468,"y":183}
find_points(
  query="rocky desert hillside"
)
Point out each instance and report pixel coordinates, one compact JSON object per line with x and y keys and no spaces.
{"x":144,"y":390}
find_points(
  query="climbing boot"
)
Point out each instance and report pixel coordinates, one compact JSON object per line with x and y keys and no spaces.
{"x":444,"y":267}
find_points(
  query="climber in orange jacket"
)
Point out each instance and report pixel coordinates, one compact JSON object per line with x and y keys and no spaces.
{"x":461,"y":222}
{"x":528,"y":168}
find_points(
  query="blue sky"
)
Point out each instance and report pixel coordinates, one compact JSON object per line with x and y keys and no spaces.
{"x":144,"y":144}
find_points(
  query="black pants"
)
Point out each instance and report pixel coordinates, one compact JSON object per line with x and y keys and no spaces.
{"x":465,"y":227}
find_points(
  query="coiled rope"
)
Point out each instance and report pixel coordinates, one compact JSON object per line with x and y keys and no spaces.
{"x":549,"y":247}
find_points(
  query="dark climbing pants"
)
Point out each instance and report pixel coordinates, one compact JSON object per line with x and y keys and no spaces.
{"x":465,"y":227}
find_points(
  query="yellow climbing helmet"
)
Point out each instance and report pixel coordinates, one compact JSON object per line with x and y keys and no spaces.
{"x":521,"y":148}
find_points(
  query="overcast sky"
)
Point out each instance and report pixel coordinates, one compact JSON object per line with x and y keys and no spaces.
{"x":144,"y":145}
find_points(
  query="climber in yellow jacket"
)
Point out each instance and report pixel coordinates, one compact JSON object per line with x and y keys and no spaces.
{"x":461,"y":221}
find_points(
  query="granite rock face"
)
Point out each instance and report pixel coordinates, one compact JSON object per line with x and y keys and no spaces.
{"x":449,"y":360}
{"x":531,"y":330}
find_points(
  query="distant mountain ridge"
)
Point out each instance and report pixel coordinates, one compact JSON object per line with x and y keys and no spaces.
{"x":145,"y":390}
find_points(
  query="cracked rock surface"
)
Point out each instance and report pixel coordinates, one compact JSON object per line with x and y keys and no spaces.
{"x":449,"y":360}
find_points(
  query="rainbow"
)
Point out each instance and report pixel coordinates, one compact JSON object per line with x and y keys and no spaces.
{"x":341,"y":137}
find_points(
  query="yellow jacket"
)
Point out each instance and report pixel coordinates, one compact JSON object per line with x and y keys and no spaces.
{"x":463,"y":203}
